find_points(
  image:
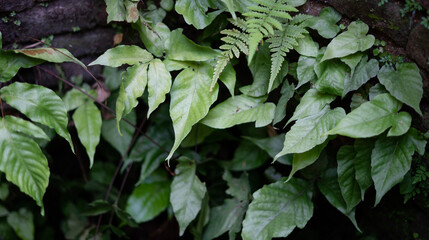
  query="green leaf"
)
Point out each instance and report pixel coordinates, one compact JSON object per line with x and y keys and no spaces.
{"x":247,"y":157}
{"x":159,"y":84}
{"x":370,"y":119}
{"x":183,"y":49}
{"x":331,"y":77}
{"x":230,"y":5}
{"x":418,"y":140}
{"x":22,"y":159}
{"x":112,"y":78}
{"x":97,"y":207}
{"x":357,"y":100}
{"x":401,"y":124}
{"x":405,"y":84}
{"x":4,"y":193}
{"x":240,"y":109}
{"x":375,"y":90}
{"x":325,"y":24}
{"x":148,"y":200}
{"x":306,"y":46}
{"x":40,"y":104}
{"x":305,"y":159}
{"x":110,"y":132}
{"x":133,"y":84}
{"x":272,"y":145}
{"x":287,"y":92}
{"x":187,"y":192}
{"x":190,"y":100}
{"x":87,"y":119}
{"x":74,"y":98}
{"x":22,"y":223}
{"x":57,"y":55}
{"x":362,"y":163}
{"x":305,"y":70}
{"x":196,"y":12}
{"x":229,"y":78}
{"x":312,"y":102}
{"x":123,"y":54}
{"x":363,"y":72}
{"x":277,"y":209}
{"x":307,"y":133}
{"x":390,"y":161}
{"x":11,"y":62}
{"x":349,"y":186}
{"x":115,"y":10}
{"x":351,"y":41}
{"x":353,"y":60}
{"x":132,"y":13}
{"x":328,"y":185}
{"x":155,"y":39}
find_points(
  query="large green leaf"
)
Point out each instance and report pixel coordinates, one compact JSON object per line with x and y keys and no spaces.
{"x":187,"y":192}
{"x":331,"y":76}
{"x":305,"y":159}
{"x":305,"y":70}
{"x":22,"y":159}
{"x":87,"y":119}
{"x":328,"y":185}
{"x":123,"y":54}
{"x":196,"y":12}
{"x":325,"y":24}
{"x":159,"y":84}
{"x":361,"y":74}
{"x":287,"y":92}
{"x":349,"y":186}
{"x":391,"y":160}
{"x":371,"y":118}
{"x":277,"y":209}
{"x":155,"y":38}
{"x":240,"y":109}
{"x":307,"y":133}
{"x":362,"y":163}
{"x":40,"y":104}
{"x":307,"y":47}
{"x":22,"y":223}
{"x":190,"y":100}
{"x":133,"y":84}
{"x":351,"y":41}
{"x":405,"y":84}
{"x":57,"y":55}
{"x":11,"y":62}
{"x":183,"y":49}
{"x":312,"y":102}
{"x":149,"y":199}
{"x":115,"y":10}
{"x":74,"y":98}
{"x":272,"y":145}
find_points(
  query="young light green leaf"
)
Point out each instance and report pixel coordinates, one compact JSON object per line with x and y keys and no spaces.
{"x":123,"y":54}
{"x":305,"y":159}
{"x":133,"y":84}
{"x":190,"y":100}
{"x":305,"y":70}
{"x":370,"y":119}
{"x":277,"y":209}
{"x":240,"y":109}
{"x":11,"y":62}
{"x":307,"y":47}
{"x":363,"y":72}
{"x":22,"y":223}
{"x":351,"y":41}
{"x":390,"y":161}
{"x":87,"y":119}
{"x":307,"y":133}
{"x":328,"y":185}
{"x":183,"y":49}
{"x":362,"y":163}
{"x":57,"y":55}
{"x":40,"y":104}
{"x":331,"y":77}
{"x":287,"y":92}
{"x":159,"y":84}
{"x":156,"y":39}
{"x":187,"y":192}
{"x":312,"y":102}
{"x":115,"y":10}
{"x":22,"y":159}
{"x":325,"y":24}
{"x":272,"y":145}
{"x":349,"y":186}
{"x":195,"y":12}
{"x":405,"y":84}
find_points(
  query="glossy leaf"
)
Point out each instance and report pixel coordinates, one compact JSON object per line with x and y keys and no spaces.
{"x":57,"y":55}
{"x":362,"y":163}
{"x":305,"y":70}
{"x":229,"y":78}
{"x":40,"y":104}
{"x":196,"y":12}
{"x":87,"y":119}
{"x":331,"y":77}
{"x":325,"y":24}
{"x":351,"y":41}
{"x":307,"y":47}
{"x":364,"y":71}
{"x":401,"y":124}
{"x":307,"y":133}
{"x":349,"y":186}
{"x":22,"y":223}
{"x":159,"y":84}
{"x":277,"y":209}
{"x":74,"y":98}
{"x":156,"y":39}
{"x":11,"y":62}
{"x":187,"y":192}
{"x":405,"y":84}
{"x":123,"y":54}
{"x":370,"y":119}
{"x":391,"y":160}
{"x":305,"y":159}
{"x":240,"y":109}
{"x":190,"y":100}
{"x":353,"y":60}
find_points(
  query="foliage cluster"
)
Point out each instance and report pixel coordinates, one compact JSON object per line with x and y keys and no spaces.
{"x":332,"y":121}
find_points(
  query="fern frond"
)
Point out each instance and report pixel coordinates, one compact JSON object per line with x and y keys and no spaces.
{"x":264,"y":19}
{"x":220,"y":66}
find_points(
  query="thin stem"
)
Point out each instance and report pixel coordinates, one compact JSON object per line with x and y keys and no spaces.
{"x":82,"y":169}
{"x":1,"y":108}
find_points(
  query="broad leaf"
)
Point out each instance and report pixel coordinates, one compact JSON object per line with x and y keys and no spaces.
{"x":375,"y":90}
{"x":370,"y":119}
{"x":356,"y":101}
{"x":349,"y":186}
{"x":305,"y":159}
{"x":74,"y":98}
{"x":405,"y":84}
{"x":229,"y":78}
{"x":22,"y":159}
{"x":331,"y":77}
{"x":287,"y":92}
{"x":391,"y":160}
{"x":183,"y":49}
{"x":351,"y":41}
{"x":57,"y":55}
{"x":272,"y":145}
{"x":307,"y":133}
{"x":123,"y":54}
{"x":196,"y":12}
{"x":190,"y":100}
{"x":187,"y":192}
{"x":326,"y":23}
{"x":353,"y":60}
{"x":22,"y":223}
{"x":364,"y":71}
{"x":240,"y":109}
{"x":133,"y":84}
{"x":87,"y":119}
{"x":159,"y":84}
{"x":402,"y":122}
{"x":115,"y":10}
{"x":110,"y":132}
{"x":312,"y":102}
{"x":277,"y":209}
{"x":11,"y":62}
{"x":156,"y":39}
{"x":307,"y":47}
{"x":40,"y":104}
{"x":362,"y":163}
{"x":247,"y":157}
{"x":305,"y":70}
